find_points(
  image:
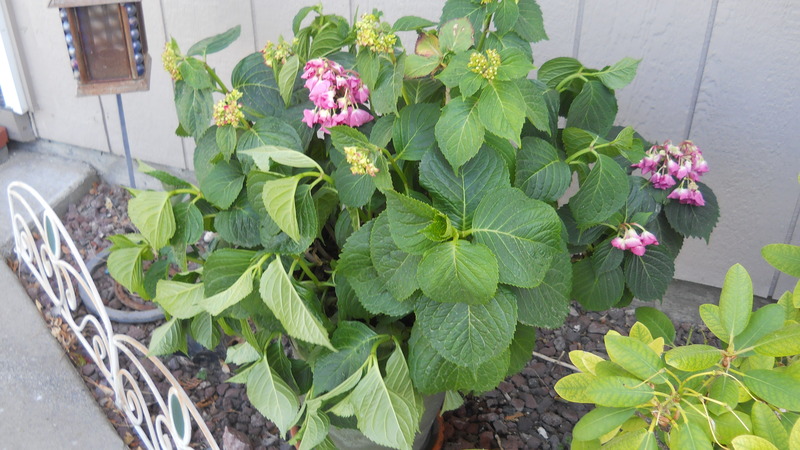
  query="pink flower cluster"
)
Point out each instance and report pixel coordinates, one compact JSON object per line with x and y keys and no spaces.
{"x":336,"y":93}
{"x":669,"y":162}
{"x":632,"y":240}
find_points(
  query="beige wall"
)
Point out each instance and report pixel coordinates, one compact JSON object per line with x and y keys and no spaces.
{"x":721,"y":73}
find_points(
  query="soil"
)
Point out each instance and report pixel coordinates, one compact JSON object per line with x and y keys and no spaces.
{"x":523,"y":412}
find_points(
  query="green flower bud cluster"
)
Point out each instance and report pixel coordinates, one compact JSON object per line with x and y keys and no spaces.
{"x":228,"y":110}
{"x":170,"y":58}
{"x":485,"y":65}
{"x":360,"y":163}
{"x":370,"y":34}
{"x":277,"y":52}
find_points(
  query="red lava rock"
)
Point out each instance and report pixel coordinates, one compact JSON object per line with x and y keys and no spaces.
{"x":486,"y":439}
{"x":506,"y":387}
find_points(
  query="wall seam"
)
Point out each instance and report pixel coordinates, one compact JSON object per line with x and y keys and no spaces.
{"x":701,"y":69}
{"x":576,"y":43}
{"x":253,"y":21}
{"x":105,"y":125}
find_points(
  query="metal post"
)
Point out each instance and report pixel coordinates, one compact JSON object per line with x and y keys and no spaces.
{"x":125,"y":143}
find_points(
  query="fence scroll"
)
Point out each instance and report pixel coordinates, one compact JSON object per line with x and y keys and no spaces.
{"x":163,"y":420}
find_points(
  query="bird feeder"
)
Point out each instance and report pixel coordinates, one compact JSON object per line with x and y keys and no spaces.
{"x":106,"y":44}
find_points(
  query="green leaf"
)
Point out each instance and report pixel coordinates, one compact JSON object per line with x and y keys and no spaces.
{"x":515,"y":65}
{"x":407,"y":219}
{"x":408,"y":23}
{"x":763,"y":321}
{"x":502,"y":110}
{"x":780,"y":389}
{"x":223,"y":267}
{"x":541,"y":173}
{"x":452,"y":401}
{"x":271,"y":396}
{"x":657,"y":322}
{"x":593,"y":291}
{"x":432,"y":373}
{"x":165,"y":178}
{"x":767,"y":425}
{"x":635,"y":357}
{"x":458,"y":193}
{"x":242,"y":354}
{"x":388,"y":86}
{"x":784,"y":257}
{"x":274,"y":240}
{"x":523,"y":234}
{"x":315,"y":430}
{"x":204,"y":331}
{"x":226,"y":140}
{"x":239,"y":225}
{"x":265,"y":154}
{"x":732,"y":424}
{"x":750,"y":442}
{"x":735,"y":301}
{"x":256,"y":81}
{"x":381,"y":132}
{"x":278,"y":197}
{"x":286,"y":78}
{"x":619,"y":391}
{"x":794,"y":436}
{"x":354,"y":341}
{"x":181,"y":300}
{"x":240,"y":289}
{"x":711,"y":318}
{"x":536,"y":104}
{"x":413,"y":132}
{"x":689,"y":436}
{"x":397,"y":268}
{"x":384,"y":416}
{"x":458,"y":271}
{"x":782,"y":342}
{"x":594,"y":109}
{"x":691,"y":358}
{"x":420,"y":66}
{"x":221,"y":186}
{"x":602,"y":194}
{"x":468,"y":335}
{"x":194,"y":107}
{"x":573,"y":387}
{"x":530,"y":24}
{"x":301,"y":14}
{"x":521,"y":348}
{"x":547,"y":304}
{"x":694,"y":221}
{"x":270,"y":131}
{"x":354,"y":190}
{"x":606,"y":257}
{"x":282,"y":299}
{"x":368,"y":65}
{"x":556,"y":70}
{"x":649,"y":275}
{"x":456,"y":35}
{"x":600,"y":421}
{"x":725,"y":390}
{"x":474,"y":12}
{"x":620,"y":74}
{"x":168,"y":338}
{"x":125,"y":266}
{"x":193,"y":72}
{"x":326,"y":41}
{"x":152,"y":214}
{"x":459,"y":131}
{"x":215,"y":43}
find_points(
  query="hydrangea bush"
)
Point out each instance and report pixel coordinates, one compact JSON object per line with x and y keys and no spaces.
{"x":400,"y":216}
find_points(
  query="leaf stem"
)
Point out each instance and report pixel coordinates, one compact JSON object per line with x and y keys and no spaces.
{"x":562,"y":84}
{"x":307,"y":271}
{"x":216,"y":78}
{"x":397,"y":169}
{"x":484,"y":32}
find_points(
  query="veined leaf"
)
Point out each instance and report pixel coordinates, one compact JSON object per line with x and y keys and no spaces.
{"x":657,"y":322}
{"x":767,"y":425}
{"x":602,"y":194}
{"x":724,"y":390}
{"x":215,"y":43}
{"x":782,"y":342}
{"x":635,"y":357}
{"x":271,"y":396}
{"x":594,"y":108}
{"x":547,"y":304}
{"x":286,"y":78}
{"x":619,"y":391}
{"x":709,"y":313}
{"x":694,"y":221}
{"x":397,"y":268}
{"x":573,"y":387}
{"x":784,"y":257}
{"x":413,"y":132}
{"x":456,"y":35}
{"x":353,"y":340}
{"x":693,"y":357}
{"x":584,"y":360}
{"x":735,"y":301}
{"x":502,"y":110}
{"x":540,"y":171}
{"x":265,"y":154}
{"x":459,"y":131}
{"x":600,"y":421}
{"x":278,"y":197}
{"x":596,"y":291}
{"x":232,"y":295}
{"x":458,"y":271}
{"x":125,"y":266}
{"x":763,"y":321}
{"x":181,"y":300}
{"x":282,"y":299}
{"x":781,"y":389}
{"x":168,"y":338}
{"x":649,"y":275}
{"x":152,"y":214}
{"x":530,"y":24}
{"x":620,"y":74}
{"x":408,"y":218}
{"x":689,"y":436}
{"x":750,"y":442}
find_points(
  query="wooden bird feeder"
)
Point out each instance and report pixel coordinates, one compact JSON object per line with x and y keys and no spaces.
{"x":107,"y":45}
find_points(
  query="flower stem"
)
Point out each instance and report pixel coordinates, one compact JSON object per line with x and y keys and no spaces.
{"x":484,"y":32}
{"x":397,"y":169}
{"x":216,"y":79}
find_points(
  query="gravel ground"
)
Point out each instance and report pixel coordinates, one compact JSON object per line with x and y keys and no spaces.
{"x":523,"y":412}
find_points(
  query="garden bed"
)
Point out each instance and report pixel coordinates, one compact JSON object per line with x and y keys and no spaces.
{"x":523,"y":412}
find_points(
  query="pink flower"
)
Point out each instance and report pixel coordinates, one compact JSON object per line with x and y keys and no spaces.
{"x":336,"y":94}
{"x":618,"y":242}
{"x":358,"y":117}
{"x":649,"y":238}
{"x":662,"y":181}
{"x":631,"y":240}
{"x":309,"y":117}
{"x":322,"y":95}
{"x":638,"y":250}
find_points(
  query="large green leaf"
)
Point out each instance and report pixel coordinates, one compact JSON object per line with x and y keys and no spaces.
{"x":505,"y":16}
{"x":459,"y":131}
{"x":256,"y":81}
{"x":181,"y":300}
{"x":222,"y":184}
{"x":468,"y":335}
{"x":521,"y":348}
{"x":151,"y":212}
{"x":600,"y":421}
{"x":459,"y":271}
{"x":239,"y":225}
{"x":522,"y":233}
{"x":188,"y":224}
{"x":271,"y":396}
{"x":541,"y":173}
{"x":763,"y":321}
{"x":694,"y":221}
{"x":784,"y":257}
{"x":265,"y":154}
{"x":354,"y":341}
{"x":277,"y":241}
{"x":315,"y":430}
{"x":383,"y":99}
{"x":397,"y":268}
{"x":502,"y":109}
{"x":516,"y":65}
{"x":457,"y":193}
{"x":530,"y":24}
{"x":223,"y":267}
{"x":782,"y":342}
{"x":689,"y":436}
{"x":573,"y":387}
{"x":125,"y":266}
{"x":594,"y":109}
{"x":619,"y":391}
{"x":432,"y":373}
{"x":692,"y":358}
{"x":556,"y":70}
{"x":735,"y":301}
{"x":204,"y":331}
{"x":354,"y":190}
{"x":384,"y":415}
{"x":593,"y":291}
{"x":456,"y":35}
{"x":536,"y":106}
{"x":635,"y":357}
{"x":413,"y":132}
{"x":649,"y":275}
{"x":709,"y":313}
{"x":781,"y":389}
{"x":620,"y":74}
{"x":282,"y":299}
{"x":547,"y":304}
{"x":234,"y":294}
{"x":278,"y":197}
{"x":286,"y":78}
{"x":408,"y":218}
{"x":409,"y":23}
{"x":725,"y":391}
{"x":602,"y":194}
{"x":194,"y":106}
{"x":193,"y":72}
{"x":215,"y":43}
{"x":474,"y":12}
{"x":657,"y":322}
{"x":168,"y":338}
{"x":767,"y":425}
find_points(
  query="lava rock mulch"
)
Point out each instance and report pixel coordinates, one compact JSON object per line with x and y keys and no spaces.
{"x":523,"y":412}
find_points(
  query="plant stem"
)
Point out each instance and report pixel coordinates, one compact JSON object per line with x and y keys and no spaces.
{"x":397,"y":169}
{"x":561,"y":85}
{"x":589,"y":149}
{"x":216,"y":79}
{"x":485,"y":31}
{"x":307,"y":271}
